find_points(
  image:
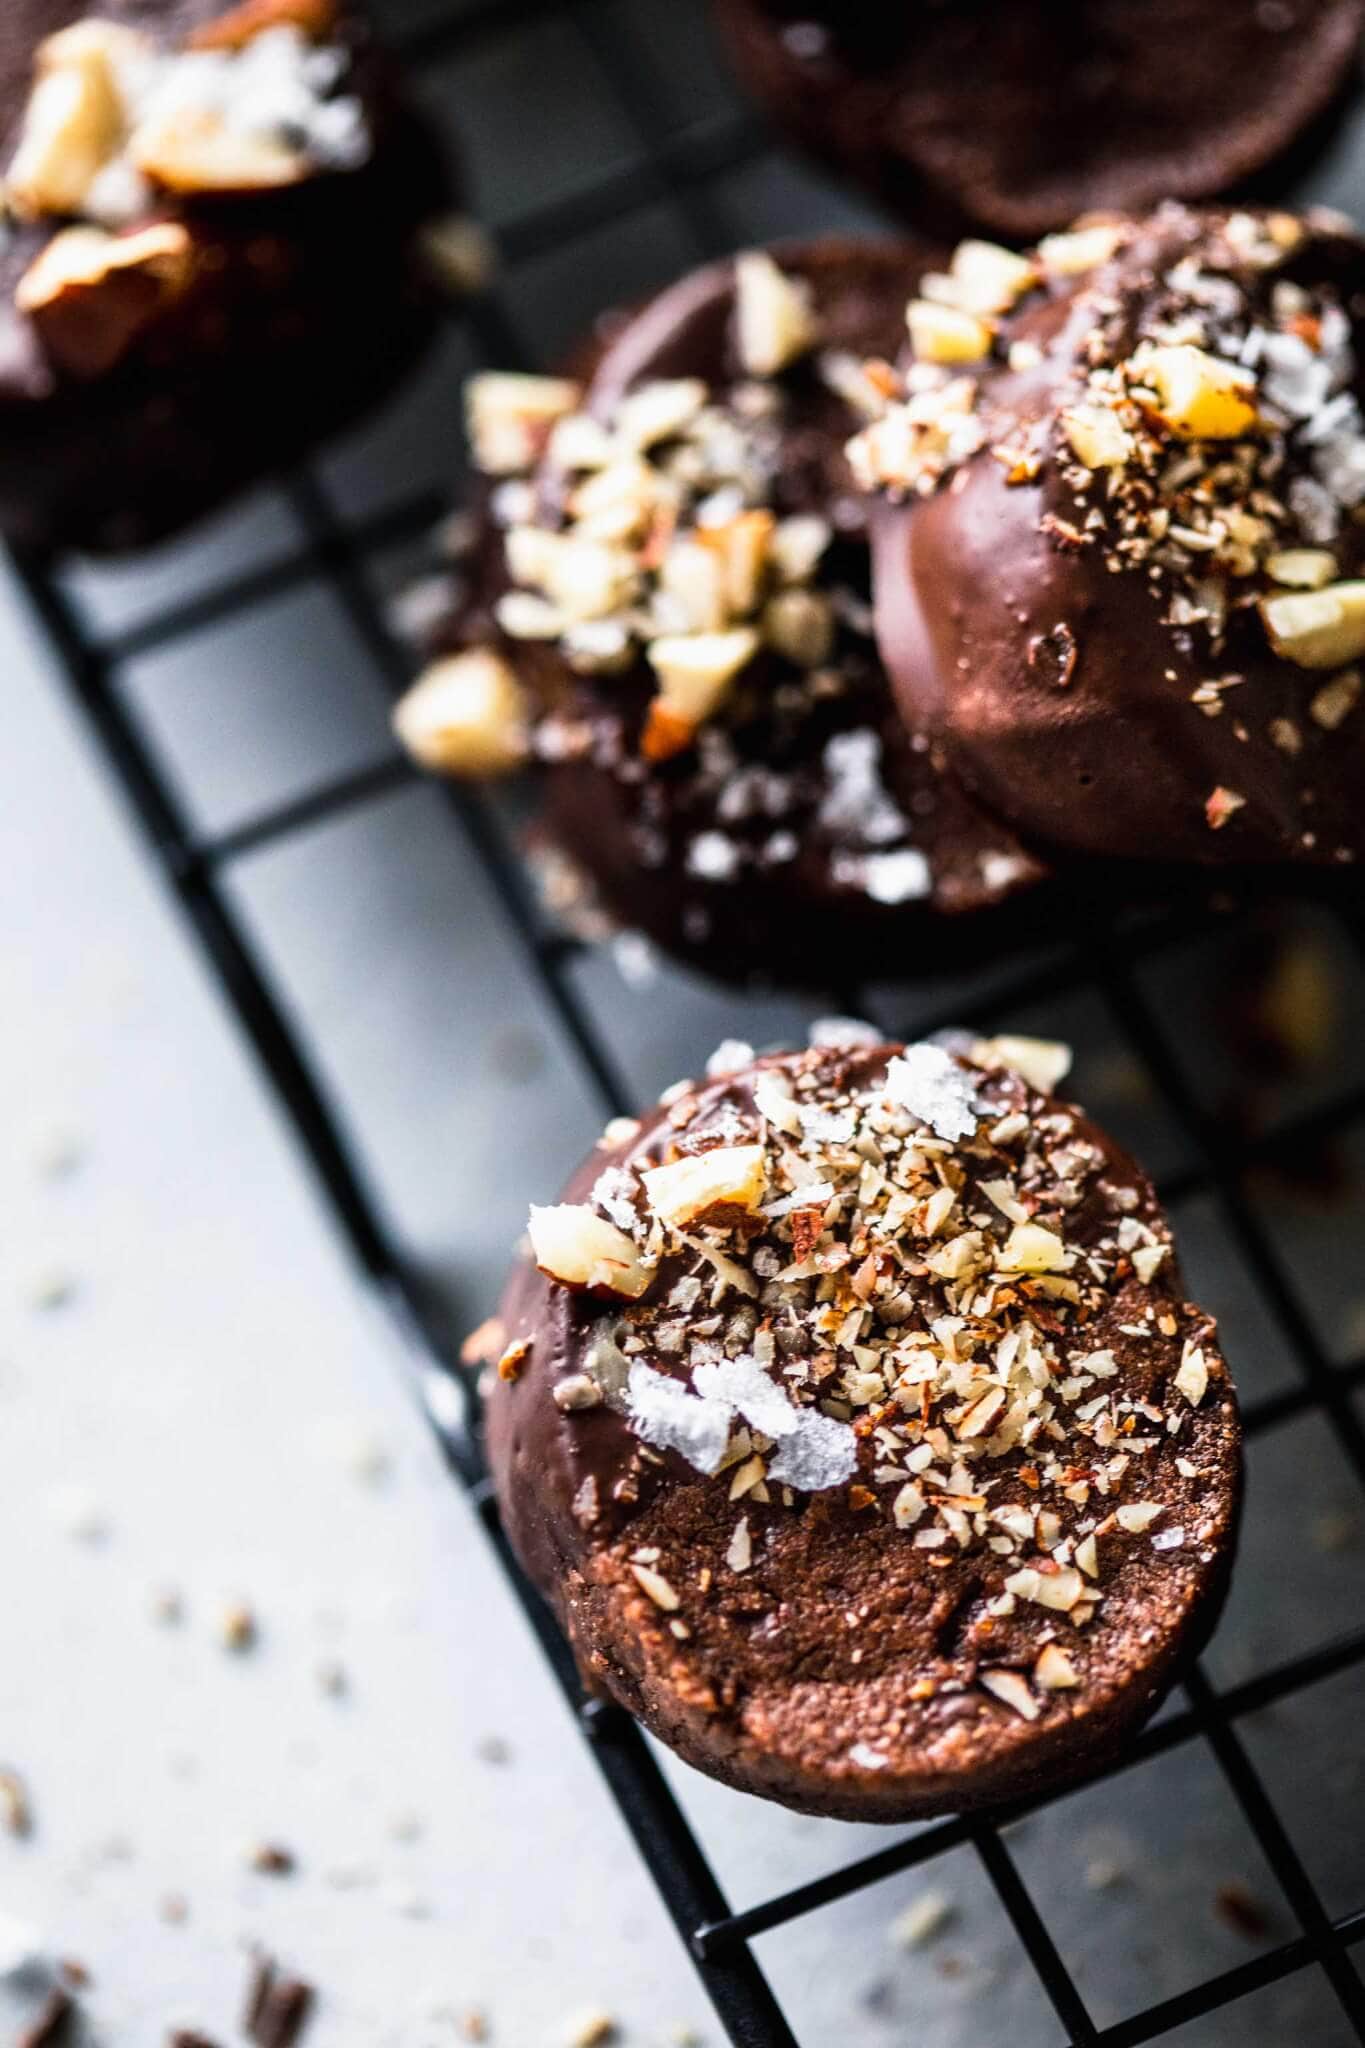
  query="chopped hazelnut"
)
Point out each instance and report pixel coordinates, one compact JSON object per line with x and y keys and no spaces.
{"x":1043,"y":1062}
{"x":1221,"y":805}
{"x":695,"y":670}
{"x":90,"y":294}
{"x":944,"y":334}
{"x":982,"y":277}
{"x":466,"y":715}
{"x":1080,"y":249}
{"x":1097,"y":437}
{"x":74,"y":119}
{"x":773,"y":318}
{"x":1336,"y":700}
{"x":580,"y":1249}
{"x":1030,"y":1248}
{"x":509,"y":416}
{"x":193,"y":149}
{"x":1198,"y":396}
{"x":1012,"y":1689}
{"x":1302,"y":568}
{"x":1318,"y":628}
{"x":1054,"y":1670}
{"x":727,"y":1177}
{"x":799,"y":624}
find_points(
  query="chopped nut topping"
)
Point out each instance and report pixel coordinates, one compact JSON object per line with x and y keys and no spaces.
{"x":509,"y":417}
{"x":1222,"y":805}
{"x":895,"y":1276}
{"x":1322,"y":628}
{"x":943,"y":334}
{"x":246,"y":104}
{"x":1198,"y":396}
{"x":1043,"y":1062}
{"x":657,"y":1587}
{"x":465,"y":715}
{"x":774,"y":319}
{"x":1192,"y":1380}
{"x":1336,"y":700}
{"x":90,"y":294}
{"x":1013,"y":1690}
{"x":730,"y":1177}
{"x":581,"y":1249}
{"x":1211,"y":436}
{"x":1054,"y":1671}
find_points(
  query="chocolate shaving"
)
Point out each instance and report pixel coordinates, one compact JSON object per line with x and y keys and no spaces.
{"x":52,"y":2024}
{"x":277,"y":2007}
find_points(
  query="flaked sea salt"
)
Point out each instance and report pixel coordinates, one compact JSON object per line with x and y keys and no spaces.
{"x":742,"y":1384}
{"x":928,"y":1082}
{"x":666,"y":1415}
{"x":820,"y":1452}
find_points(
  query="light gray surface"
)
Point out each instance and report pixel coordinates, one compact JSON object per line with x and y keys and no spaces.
{"x":216,"y":1374}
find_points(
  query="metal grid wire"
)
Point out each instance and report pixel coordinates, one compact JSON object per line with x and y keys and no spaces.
{"x":678,"y":170}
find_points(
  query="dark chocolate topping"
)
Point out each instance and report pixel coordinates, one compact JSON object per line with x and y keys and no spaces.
{"x":980,"y":1483}
{"x":1087,"y":643}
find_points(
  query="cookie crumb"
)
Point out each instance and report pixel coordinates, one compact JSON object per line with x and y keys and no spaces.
{"x":16,"y":1808}
{"x":923,"y":1919}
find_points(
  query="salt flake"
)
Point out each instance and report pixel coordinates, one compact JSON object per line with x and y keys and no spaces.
{"x":928,"y":1082}
{"x":742,"y":1384}
{"x":666,"y":1415}
{"x":820,"y":1452}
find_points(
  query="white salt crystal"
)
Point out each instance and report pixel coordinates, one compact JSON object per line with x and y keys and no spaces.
{"x":820,"y":1452}
{"x":928,"y":1082}
{"x":666,"y":1415}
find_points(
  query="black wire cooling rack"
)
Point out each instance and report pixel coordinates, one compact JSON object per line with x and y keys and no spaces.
{"x":679,"y":170}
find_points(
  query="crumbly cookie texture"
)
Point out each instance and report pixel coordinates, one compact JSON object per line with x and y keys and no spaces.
{"x":894,"y":1307}
{"x":1181,"y":396}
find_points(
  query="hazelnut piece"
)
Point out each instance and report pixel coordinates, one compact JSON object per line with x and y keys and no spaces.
{"x":465,"y":716}
{"x":193,"y":149}
{"x":1198,"y":396}
{"x":1318,"y":628}
{"x":773,"y":318}
{"x":509,"y":415}
{"x":74,"y":120}
{"x":945,"y":334}
{"x":572,"y":1244}
{"x":727,"y":1177}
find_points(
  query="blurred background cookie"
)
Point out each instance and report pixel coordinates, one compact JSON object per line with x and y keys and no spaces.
{"x":212,"y":256}
{"x":1016,"y":115}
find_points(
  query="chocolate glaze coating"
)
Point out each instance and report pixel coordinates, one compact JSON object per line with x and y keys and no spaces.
{"x":972,"y":583}
{"x":1016,"y":115}
{"x":840,"y":1674}
{"x":629,"y":825}
{"x":309,"y":305}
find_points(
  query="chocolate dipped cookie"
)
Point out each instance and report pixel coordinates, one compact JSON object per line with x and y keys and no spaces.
{"x":1013,"y":116}
{"x":1120,"y":546}
{"x":211,"y":258}
{"x":849,"y":1413}
{"x":668,"y":613}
